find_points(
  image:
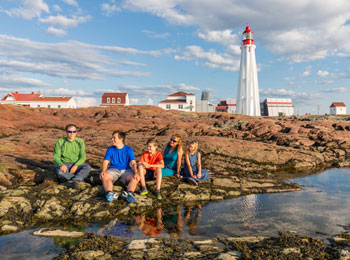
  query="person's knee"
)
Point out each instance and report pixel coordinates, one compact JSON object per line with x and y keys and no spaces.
{"x":142,"y":169}
{"x":136,"y":178}
{"x":87,"y":167}
{"x":106,"y":177}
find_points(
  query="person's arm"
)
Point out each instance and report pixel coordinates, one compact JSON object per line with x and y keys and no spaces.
{"x":159,"y":163}
{"x":82,"y":153}
{"x":163,"y":150}
{"x":188,"y":164}
{"x":199,"y":165}
{"x":57,"y":152}
{"x":134,"y":166}
{"x":104,"y":167}
{"x":179,"y":160}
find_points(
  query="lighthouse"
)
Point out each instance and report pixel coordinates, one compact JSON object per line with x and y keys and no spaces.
{"x":248,"y":91}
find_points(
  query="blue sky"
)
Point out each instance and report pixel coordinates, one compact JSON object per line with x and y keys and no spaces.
{"x":152,"y":48}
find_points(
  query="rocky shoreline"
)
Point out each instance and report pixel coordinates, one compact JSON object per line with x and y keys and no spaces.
{"x":288,"y":245}
{"x":245,"y":155}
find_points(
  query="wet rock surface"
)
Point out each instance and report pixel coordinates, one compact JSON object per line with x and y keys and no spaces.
{"x":288,"y":245}
{"x":245,"y":155}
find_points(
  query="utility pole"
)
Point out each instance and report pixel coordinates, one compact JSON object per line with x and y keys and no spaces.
{"x":318,"y":109}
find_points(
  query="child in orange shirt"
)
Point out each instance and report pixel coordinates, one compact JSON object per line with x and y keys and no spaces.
{"x":150,"y":167}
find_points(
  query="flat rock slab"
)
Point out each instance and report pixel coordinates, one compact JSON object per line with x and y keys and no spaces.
{"x":44,"y":232}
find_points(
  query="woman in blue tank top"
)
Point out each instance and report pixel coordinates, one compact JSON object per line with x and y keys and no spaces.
{"x":172,"y":156}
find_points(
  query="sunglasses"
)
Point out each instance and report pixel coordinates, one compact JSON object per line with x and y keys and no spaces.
{"x":173,"y":140}
{"x":71,"y":132}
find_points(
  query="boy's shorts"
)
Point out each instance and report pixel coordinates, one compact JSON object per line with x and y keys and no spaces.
{"x":120,"y":175}
{"x":149,"y":175}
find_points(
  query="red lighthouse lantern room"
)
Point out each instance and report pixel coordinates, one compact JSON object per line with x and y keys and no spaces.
{"x":247,"y":36}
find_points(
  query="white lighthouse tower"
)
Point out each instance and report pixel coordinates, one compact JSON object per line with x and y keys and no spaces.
{"x":248,"y":92}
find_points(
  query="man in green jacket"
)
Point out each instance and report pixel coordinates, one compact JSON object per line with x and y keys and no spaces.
{"x":69,"y":155}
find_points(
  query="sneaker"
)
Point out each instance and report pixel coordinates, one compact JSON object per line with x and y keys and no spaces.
{"x":144,"y":191}
{"x":130,"y":198}
{"x":110,"y":196}
{"x":72,"y":184}
{"x":76,"y":185}
{"x":192,"y":181}
{"x":158,"y":195}
{"x":123,"y":194}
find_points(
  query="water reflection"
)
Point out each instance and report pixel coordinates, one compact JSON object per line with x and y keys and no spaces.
{"x":321,"y":207}
{"x":168,"y":222}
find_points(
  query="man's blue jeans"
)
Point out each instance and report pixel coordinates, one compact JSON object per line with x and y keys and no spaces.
{"x":81,"y":173}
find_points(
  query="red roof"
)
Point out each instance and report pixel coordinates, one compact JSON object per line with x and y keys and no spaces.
{"x":181,"y":94}
{"x":172,"y":101}
{"x":338,"y":104}
{"x":34,"y":97}
{"x":115,"y":94}
{"x":221,"y":107}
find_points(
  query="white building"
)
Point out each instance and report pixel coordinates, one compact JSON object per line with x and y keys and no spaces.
{"x":179,"y":101}
{"x":278,"y":107}
{"x":38,"y":100}
{"x":337,"y":108}
{"x":204,"y":105}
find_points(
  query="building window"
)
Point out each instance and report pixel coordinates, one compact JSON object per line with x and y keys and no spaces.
{"x":108,"y":100}
{"x":49,"y":106}
{"x":181,"y":106}
{"x":38,"y":105}
{"x":167,"y":106}
{"x":119,"y":100}
{"x":190,"y":102}
{"x":113,"y":100}
{"x":59,"y":106}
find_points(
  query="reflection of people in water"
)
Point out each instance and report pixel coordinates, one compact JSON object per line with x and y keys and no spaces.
{"x":192,"y":216}
{"x":151,"y":227}
{"x":118,"y":228}
{"x":173,"y":221}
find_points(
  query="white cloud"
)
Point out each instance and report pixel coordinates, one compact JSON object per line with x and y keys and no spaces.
{"x":57,"y":32}
{"x":210,"y":58}
{"x":225,"y":37}
{"x":183,"y":86}
{"x":71,"y":2}
{"x":298,"y":97}
{"x":306,"y":73}
{"x":64,"y":59}
{"x":150,"y":91}
{"x":323,"y":82}
{"x":150,"y":101}
{"x":13,"y":80}
{"x":296,"y":31}
{"x":322,"y":73}
{"x":85,"y":102}
{"x":66,"y":92}
{"x":57,"y":8}
{"x":337,"y":90}
{"x":134,"y":101}
{"x":109,"y":9}
{"x":134,"y":51}
{"x":29,"y":9}
{"x":152,"y":34}
{"x":65,"y":22}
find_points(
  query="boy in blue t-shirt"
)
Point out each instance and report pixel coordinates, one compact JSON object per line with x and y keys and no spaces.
{"x":120,"y":156}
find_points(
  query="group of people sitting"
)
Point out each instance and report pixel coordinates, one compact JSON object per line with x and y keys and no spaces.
{"x":120,"y":164}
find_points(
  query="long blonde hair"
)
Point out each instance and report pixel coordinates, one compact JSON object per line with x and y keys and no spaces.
{"x":179,"y":142}
{"x":195,"y":143}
